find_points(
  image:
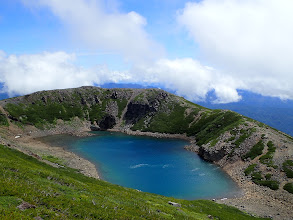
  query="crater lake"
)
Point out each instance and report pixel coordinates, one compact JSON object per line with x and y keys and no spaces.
{"x":155,"y":165}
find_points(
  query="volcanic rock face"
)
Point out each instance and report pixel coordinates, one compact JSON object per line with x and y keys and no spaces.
{"x":143,"y":105}
{"x":211,"y":155}
{"x":108,"y":122}
{"x":136,"y":111}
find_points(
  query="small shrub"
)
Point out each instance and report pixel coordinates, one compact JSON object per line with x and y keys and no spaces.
{"x":256,"y":176}
{"x":258,"y":179}
{"x":271,"y":147}
{"x":233,"y":132}
{"x":255,"y":151}
{"x":232,"y":138}
{"x":268,"y":176}
{"x":242,"y":131}
{"x":272,"y":184}
{"x":288,"y":187}
{"x":267,"y":159}
{"x":288,"y":168}
{"x":249,"y":169}
{"x":3,"y":120}
{"x":242,"y":138}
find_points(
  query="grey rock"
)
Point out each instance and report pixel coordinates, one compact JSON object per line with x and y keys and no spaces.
{"x":25,"y":205}
{"x":174,"y":204}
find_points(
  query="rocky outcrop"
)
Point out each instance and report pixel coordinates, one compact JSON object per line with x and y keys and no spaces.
{"x":25,"y":205}
{"x":108,"y":122}
{"x":136,"y":111}
{"x":95,"y":128}
{"x":211,"y":154}
{"x":143,"y":105}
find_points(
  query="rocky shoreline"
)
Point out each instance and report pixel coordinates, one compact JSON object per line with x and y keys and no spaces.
{"x":151,"y":134}
{"x":255,"y":200}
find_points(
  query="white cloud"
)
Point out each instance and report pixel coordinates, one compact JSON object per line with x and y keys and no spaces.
{"x":102,"y":29}
{"x":188,"y":78}
{"x":28,"y":73}
{"x":25,"y":74}
{"x":251,"y":41}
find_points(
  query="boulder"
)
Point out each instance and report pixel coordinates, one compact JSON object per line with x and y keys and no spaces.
{"x":25,"y":205}
{"x":174,"y":204}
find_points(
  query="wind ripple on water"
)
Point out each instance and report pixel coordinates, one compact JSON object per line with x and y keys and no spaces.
{"x":139,"y":165}
{"x":148,"y":165}
{"x":195,"y":169}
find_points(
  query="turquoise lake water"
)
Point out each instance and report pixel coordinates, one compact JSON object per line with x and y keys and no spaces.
{"x":160,"y":166}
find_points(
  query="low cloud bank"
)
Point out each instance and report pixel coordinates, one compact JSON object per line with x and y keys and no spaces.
{"x":23,"y":74}
{"x":28,"y":73}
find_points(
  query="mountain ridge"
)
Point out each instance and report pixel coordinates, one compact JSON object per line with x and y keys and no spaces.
{"x":272,"y":111}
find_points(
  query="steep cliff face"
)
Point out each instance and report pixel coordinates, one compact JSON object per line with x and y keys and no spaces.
{"x":136,"y":111}
{"x":107,"y":122}
{"x":144,"y":104}
{"x":220,"y":136}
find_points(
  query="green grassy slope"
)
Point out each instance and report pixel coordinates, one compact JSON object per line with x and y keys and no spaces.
{"x":178,"y":117}
{"x":62,"y":193}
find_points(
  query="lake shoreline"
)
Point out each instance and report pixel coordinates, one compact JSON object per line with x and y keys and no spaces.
{"x":255,"y":199}
{"x":230,"y":192}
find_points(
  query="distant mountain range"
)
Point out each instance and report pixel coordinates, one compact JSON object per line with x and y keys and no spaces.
{"x":271,"y":111}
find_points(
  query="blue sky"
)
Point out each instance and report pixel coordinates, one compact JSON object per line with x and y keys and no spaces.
{"x":23,"y":31}
{"x":191,"y":47}
{"x":27,"y":30}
